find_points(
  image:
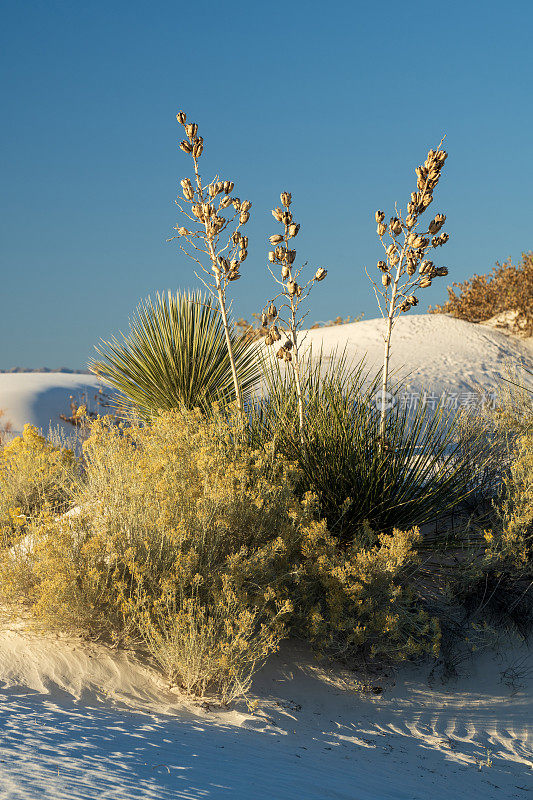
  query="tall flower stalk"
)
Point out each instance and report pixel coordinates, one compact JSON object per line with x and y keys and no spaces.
{"x":286,"y":322}
{"x":204,"y":242}
{"x":406,"y":267}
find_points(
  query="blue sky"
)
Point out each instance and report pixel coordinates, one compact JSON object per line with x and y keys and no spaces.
{"x":336,"y":102}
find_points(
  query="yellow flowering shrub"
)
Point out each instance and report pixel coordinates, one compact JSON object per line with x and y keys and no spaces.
{"x":33,"y":471}
{"x":195,"y":546}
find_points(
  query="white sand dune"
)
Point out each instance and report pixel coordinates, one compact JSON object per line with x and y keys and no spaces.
{"x":82,"y":721}
{"x":39,"y":398}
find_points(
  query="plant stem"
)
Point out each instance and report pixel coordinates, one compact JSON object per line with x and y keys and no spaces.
{"x":221,"y":294}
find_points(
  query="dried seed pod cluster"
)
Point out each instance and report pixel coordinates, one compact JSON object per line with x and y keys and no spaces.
{"x":406,"y":266}
{"x":207,"y":204}
{"x":403,"y":258}
{"x":288,"y":320}
{"x":211,"y":210}
{"x":284,"y":256}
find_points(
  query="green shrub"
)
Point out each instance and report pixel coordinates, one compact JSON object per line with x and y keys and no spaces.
{"x":175,"y":355}
{"x":422,"y":473}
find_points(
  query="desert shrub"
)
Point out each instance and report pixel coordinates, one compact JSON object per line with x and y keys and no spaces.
{"x":175,"y":355}
{"x":498,"y":585}
{"x":180,"y":531}
{"x":419,"y":475}
{"x":34,"y":472}
{"x":508,"y":287}
{"x":361,"y":600}
{"x":191,"y":544}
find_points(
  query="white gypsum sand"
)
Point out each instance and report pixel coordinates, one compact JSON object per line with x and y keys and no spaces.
{"x":81,"y":721}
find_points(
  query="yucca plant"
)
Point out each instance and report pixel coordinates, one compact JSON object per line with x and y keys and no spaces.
{"x":175,"y":355}
{"x":410,"y":243}
{"x":288,"y":319}
{"x":341,"y":460}
{"x":206,"y":239}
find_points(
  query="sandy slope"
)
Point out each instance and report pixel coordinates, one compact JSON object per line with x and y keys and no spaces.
{"x":80,"y":722}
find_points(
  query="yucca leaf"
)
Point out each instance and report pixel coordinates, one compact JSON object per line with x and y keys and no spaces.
{"x":175,"y":354}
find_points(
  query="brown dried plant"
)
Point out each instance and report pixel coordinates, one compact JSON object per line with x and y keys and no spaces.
{"x":406,"y":267}
{"x":508,"y":288}
{"x":286,"y":322}
{"x":202,"y":240}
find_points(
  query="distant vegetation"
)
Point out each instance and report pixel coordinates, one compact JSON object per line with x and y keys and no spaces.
{"x":508,"y":288}
{"x":47,"y":369}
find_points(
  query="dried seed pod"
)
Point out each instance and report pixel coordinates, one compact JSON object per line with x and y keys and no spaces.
{"x":225,"y":201}
{"x":320,"y":274}
{"x":272,"y":311}
{"x":244,"y":242}
{"x":277,"y":213}
{"x":243,"y":254}
{"x":443,"y":238}
{"x":191,"y":130}
{"x":380,"y":216}
{"x":382,"y":265}
{"x":412,"y":300}
{"x":207,"y":209}
{"x":410,"y":220}
{"x":405,"y":306}
{"x":425,"y":267}
{"x":441,"y":272}
{"x":188,"y":192}
{"x":186,"y":146}
{"x":279,"y":252}
{"x":286,"y":199}
{"x":228,"y":186}
{"x":198,"y":147}
{"x":197,"y":211}
{"x":386,"y":279}
{"x":436,"y":224}
{"x":391,"y":250}
{"x":275,"y":239}
{"x":425,"y":282}
{"x":394,"y":260}
{"x":426,"y":201}
{"x":246,"y":205}
{"x":286,"y":218}
{"x":410,"y":268}
{"x":275,"y":334}
{"x":382,"y":229}
{"x":285,"y":272}
{"x":186,"y":183}
{"x":292,"y":287}
{"x":212,"y":189}
{"x":234,"y":276}
{"x":290,"y":256}
{"x":271,"y":256}
{"x":223,"y":263}
{"x":417,"y":241}
{"x":395,"y":226}
{"x":234,"y":265}
{"x":268,"y":339}
{"x":287,"y":345}
{"x":181,"y":116}
{"x":280,"y":353}
{"x":293,"y":229}
{"x":236,"y":203}
{"x":244,"y":217}
{"x":287,"y":356}
{"x":264,"y":319}
{"x":183,"y":232}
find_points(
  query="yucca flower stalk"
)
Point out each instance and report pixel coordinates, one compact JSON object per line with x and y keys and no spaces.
{"x":406,"y":267}
{"x":202,"y":241}
{"x":284,"y":324}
